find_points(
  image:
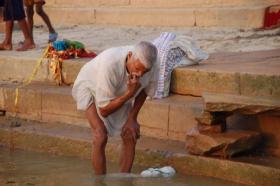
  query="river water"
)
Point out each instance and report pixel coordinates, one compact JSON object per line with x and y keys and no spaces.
{"x":31,"y":168}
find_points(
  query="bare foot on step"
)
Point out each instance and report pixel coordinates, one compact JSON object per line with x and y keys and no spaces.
{"x":4,"y":46}
{"x":26,"y":45}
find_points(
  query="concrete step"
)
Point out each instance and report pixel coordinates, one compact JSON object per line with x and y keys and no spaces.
{"x":69,"y":140}
{"x":168,"y":118}
{"x":158,"y":3}
{"x":249,"y":73}
{"x":237,"y":17}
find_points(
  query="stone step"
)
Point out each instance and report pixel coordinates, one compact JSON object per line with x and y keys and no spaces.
{"x":158,"y":3}
{"x":249,"y":74}
{"x":69,"y":140}
{"x":168,"y":118}
{"x":241,"y":17}
{"x":242,"y":104}
{"x":224,"y":145}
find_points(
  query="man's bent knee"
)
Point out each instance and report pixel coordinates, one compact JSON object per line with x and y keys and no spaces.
{"x":128,"y":137}
{"x":100,"y":137}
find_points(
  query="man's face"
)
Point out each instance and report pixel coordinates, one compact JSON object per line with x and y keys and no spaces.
{"x":136,"y":67}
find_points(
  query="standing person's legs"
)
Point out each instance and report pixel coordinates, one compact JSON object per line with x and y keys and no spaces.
{"x":28,"y":41}
{"x":13,"y":10}
{"x":99,"y":140}
{"x":29,"y":15}
{"x":7,"y":43}
{"x":40,"y":11}
{"x":8,"y":18}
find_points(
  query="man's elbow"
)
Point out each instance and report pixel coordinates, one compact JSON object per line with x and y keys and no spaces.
{"x":103,"y":112}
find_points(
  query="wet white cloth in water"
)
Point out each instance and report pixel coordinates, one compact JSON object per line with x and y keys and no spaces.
{"x":174,"y":52}
{"x":103,"y":79}
{"x":166,"y":171}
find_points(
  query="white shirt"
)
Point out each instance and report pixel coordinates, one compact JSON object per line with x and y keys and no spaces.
{"x":104,"y":79}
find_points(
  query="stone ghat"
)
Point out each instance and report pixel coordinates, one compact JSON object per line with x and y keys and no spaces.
{"x":178,"y":13}
{"x":248,"y":73}
{"x":168,"y":118}
{"x":69,"y":140}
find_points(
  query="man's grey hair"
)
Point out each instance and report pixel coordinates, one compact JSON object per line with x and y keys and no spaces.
{"x":146,"y":52}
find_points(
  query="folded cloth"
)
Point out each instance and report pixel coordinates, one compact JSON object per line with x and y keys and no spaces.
{"x":162,"y":44}
{"x":189,"y":46}
{"x":174,"y":51}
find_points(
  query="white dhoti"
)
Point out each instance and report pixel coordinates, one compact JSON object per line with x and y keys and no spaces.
{"x":103,"y":79}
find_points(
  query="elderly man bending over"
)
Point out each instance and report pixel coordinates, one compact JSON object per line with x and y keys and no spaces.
{"x":112,"y":88}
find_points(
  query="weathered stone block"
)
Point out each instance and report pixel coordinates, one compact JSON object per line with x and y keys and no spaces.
{"x":224,"y":144}
{"x":87,"y":3}
{"x":29,"y":102}
{"x":256,"y":85}
{"x":239,"y":17}
{"x":73,"y":120}
{"x":59,"y":101}
{"x":196,"y":82}
{"x":20,"y":69}
{"x":181,"y":118}
{"x":211,"y":129}
{"x":178,"y":136}
{"x":154,"y":115}
{"x":66,"y":16}
{"x":145,"y":17}
{"x":240,"y":104}
{"x":70,"y":70}
{"x":153,"y":132}
{"x":205,"y":118}
{"x":168,"y":3}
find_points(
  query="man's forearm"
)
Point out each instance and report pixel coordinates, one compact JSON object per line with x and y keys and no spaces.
{"x":138,"y":103}
{"x":114,"y":105}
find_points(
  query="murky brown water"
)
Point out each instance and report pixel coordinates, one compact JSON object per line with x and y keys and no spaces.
{"x":30,"y":168}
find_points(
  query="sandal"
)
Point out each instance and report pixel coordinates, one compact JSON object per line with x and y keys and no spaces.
{"x":52,"y":37}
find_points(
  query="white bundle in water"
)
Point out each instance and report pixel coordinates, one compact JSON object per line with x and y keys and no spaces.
{"x":166,"y":171}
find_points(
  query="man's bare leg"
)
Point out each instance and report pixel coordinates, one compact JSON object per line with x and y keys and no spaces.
{"x":28,"y":41}
{"x":99,"y":140}
{"x":29,"y":15}
{"x":7,"y":43}
{"x":40,"y":11}
{"x":127,"y":152}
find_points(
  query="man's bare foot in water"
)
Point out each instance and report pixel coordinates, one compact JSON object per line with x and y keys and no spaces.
{"x":6,"y":46}
{"x":26,"y":45}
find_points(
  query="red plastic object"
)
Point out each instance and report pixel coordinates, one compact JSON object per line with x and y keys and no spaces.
{"x":272,"y":17}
